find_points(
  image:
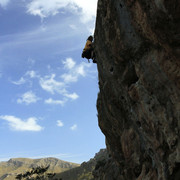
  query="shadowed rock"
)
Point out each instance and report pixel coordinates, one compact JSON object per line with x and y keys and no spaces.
{"x":137,"y":46}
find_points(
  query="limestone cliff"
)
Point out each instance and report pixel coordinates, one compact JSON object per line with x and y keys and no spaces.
{"x":137,"y":45}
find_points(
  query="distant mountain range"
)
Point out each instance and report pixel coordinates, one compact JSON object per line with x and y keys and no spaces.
{"x":62,"y":169}
{"x":9,"y":169}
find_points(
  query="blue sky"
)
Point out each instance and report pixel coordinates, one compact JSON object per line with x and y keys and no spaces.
{"x":48,"y":92}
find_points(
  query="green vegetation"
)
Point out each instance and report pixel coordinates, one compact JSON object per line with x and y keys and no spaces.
{"x":87,"y":176}
{"x":35,"y":174}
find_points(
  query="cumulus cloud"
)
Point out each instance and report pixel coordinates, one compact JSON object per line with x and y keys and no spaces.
{"x":54,"y":84}
{"x":74,"y":127}
{"x":69,"y":63}
{"x":60,"y":123}
{"x":72,"y":74}
{"x":4,"y":3}
{"x":28,"y":98}
{"x":18,"y":124}
{"x":55,"y":102}
{"x":74,"y":71}
{"x":49,"y":84}
{"x":44,"y":8}
{"x":80,"y":70}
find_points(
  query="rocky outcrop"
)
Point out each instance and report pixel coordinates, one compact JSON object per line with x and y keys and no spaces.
{"x":84,"y":171}
{"x":137,"y":46}
{"x":106,"y":169}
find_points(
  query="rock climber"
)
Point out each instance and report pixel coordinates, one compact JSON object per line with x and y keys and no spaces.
{"x":88,"y":51}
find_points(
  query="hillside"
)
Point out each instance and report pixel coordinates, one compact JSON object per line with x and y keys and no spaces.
{"x":9,"y":169}
{"x":63,"y":170}
{"x":85,"y":170}
{"x":137,"y":47}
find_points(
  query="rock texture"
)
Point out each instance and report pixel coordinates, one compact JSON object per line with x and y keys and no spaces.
{"x":137,"y":46}
{"x":84,"y":171}
{"x":106,"y":169}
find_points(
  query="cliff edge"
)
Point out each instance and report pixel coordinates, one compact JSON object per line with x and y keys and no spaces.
{"x":137,"y":45}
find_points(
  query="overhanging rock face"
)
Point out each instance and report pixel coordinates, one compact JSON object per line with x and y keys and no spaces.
{"x":137,"y":45}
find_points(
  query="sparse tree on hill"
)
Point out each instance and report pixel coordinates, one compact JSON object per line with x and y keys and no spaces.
{"x":37,"y":173}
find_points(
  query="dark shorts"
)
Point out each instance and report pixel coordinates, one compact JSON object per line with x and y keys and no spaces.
{"x":87,"y":54}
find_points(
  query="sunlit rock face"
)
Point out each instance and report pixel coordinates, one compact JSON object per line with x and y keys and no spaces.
{"x":137,"y":45}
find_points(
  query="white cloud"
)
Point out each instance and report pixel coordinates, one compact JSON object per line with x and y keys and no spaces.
{"x":69,"y":63}
{"x":74,"y":71}
{"x":19,"y":125}
{"x":25,"y":78}
{"x":32,"y":74}
{"x":53,"y":86}
{"x":55,"y":102}
{"x":72,"y":96}
{"x":28,"y":98}
{"x":80,"y":70}
{"x":49,"y":84}
{"x":4,"y":3}
{"x":44,"y":8}
{"x":69,"y":78}
{"x":60,"y":123}
{"x":20,"y":81}
{"x":74,"y":127}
